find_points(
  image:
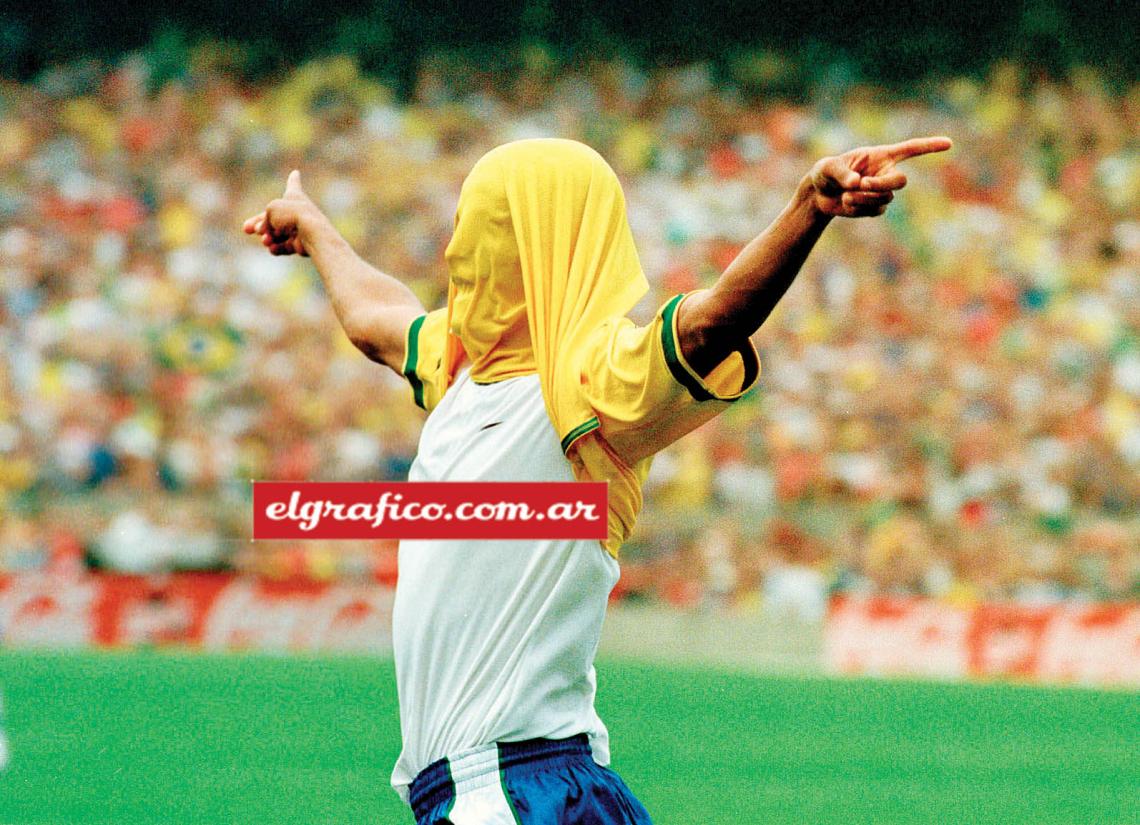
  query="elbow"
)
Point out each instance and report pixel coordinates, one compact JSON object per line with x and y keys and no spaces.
{"x":380,"y":332}
{"x":370,"y":348}
{"x":362,"y":336}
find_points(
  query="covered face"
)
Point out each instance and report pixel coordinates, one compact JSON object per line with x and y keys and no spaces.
{"x":542,"y":252}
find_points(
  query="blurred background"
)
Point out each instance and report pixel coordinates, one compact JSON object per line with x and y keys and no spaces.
{"x":938,"y":475}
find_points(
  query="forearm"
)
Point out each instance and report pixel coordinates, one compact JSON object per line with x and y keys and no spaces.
{"x":712,"y":322}
{"x":373,"y":308}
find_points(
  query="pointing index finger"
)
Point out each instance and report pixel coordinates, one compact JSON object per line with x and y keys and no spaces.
{"x":918,"y":146}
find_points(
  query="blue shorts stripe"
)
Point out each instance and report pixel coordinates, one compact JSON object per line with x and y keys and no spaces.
{"x":431,"y":788}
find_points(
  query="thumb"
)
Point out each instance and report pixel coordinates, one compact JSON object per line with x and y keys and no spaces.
{"x":293,"y":184}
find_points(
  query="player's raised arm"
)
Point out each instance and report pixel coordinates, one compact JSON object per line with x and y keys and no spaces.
{"x":859,"y":183}
{"x":373,"y":308}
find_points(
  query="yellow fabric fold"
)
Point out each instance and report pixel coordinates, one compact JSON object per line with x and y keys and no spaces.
{"x":543,"y":271}
{"x":542,"y":253}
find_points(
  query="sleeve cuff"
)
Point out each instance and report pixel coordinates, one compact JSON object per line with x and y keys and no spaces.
{"x":411,"y":361}
{"x":730,"y":380}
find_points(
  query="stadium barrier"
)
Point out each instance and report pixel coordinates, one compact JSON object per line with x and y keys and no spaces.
{"x":213,"y":611}
{"x":1067,"y":643}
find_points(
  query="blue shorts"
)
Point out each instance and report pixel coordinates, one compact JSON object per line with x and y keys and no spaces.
{"x":538,"y":782}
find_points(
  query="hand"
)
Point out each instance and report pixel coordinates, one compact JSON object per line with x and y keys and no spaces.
{"x":860,"y":183}
{"x":285,"y":222}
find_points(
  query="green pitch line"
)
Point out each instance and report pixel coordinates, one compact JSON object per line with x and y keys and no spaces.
{"x":162,"y":738}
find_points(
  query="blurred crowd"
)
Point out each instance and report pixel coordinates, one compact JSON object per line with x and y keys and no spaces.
{"x":950,"y":402}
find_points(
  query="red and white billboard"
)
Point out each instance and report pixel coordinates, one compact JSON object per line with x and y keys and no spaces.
{"x":212,"y":611}
{"x":1087,"y":644}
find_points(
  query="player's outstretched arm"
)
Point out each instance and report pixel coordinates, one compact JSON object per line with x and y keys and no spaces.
{"x":856,"y":184}
{"x":373,"y":308}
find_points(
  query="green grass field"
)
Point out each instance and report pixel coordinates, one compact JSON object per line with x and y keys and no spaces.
{"x":159,"y":738}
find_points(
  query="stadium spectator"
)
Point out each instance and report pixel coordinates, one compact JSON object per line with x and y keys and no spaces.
{"x":952,"y":408}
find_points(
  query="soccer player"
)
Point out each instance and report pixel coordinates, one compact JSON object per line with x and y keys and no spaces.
{"x":533,"y":372}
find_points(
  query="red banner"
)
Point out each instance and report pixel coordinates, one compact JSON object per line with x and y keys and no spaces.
{"x":1063,"y":643}
{"x":212,"y":611}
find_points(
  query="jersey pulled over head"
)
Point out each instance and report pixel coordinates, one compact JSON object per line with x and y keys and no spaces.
{"x":541,"y":255}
